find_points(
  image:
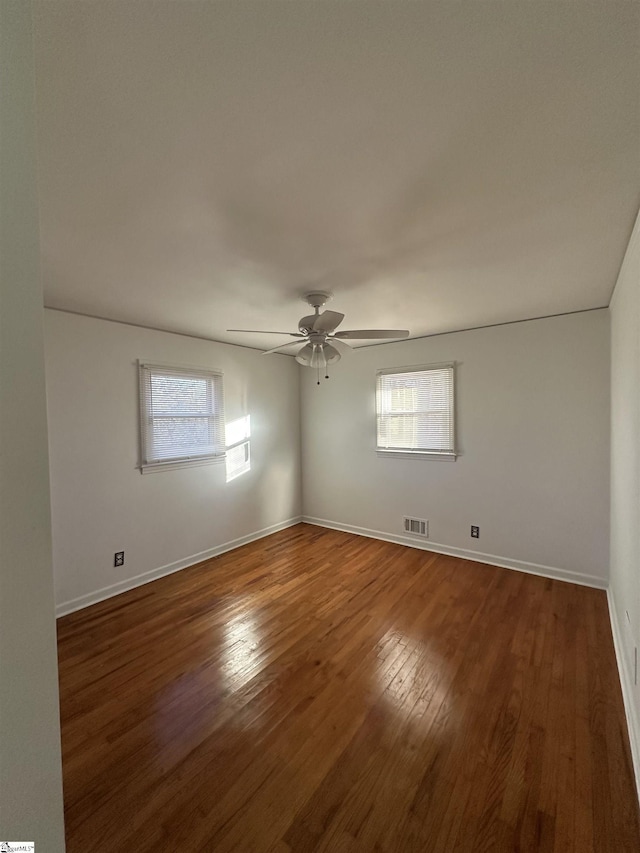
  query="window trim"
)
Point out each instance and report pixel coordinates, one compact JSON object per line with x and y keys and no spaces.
{"x":409,"y":453}
{"x":145,"y":370}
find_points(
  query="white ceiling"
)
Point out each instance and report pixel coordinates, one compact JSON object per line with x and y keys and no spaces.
{"x":436,"y":165}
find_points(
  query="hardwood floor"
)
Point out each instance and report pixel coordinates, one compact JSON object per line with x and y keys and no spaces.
{"x":318,"y":691}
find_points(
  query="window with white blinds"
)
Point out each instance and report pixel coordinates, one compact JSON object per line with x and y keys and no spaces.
{"x":415,"y":411}
{"x":181,"y":415}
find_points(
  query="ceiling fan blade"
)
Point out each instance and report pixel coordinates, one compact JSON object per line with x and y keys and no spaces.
{"x":264,"y":332}
{"x":334,"y":340}
{"x":328,"y":321}
{"x":355,"y":334}
{"x":282,"y":346}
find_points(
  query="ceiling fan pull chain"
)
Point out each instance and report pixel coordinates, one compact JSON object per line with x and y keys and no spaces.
{"x":318,"y":369}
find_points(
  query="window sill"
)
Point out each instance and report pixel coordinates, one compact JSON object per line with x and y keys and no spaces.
{"x":416,"y":454}
{"x":156,"y":467}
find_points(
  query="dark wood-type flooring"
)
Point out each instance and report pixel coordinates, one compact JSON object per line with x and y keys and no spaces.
{"x":318,"y":691}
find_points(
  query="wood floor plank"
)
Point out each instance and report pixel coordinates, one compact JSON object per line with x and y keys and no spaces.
{"x":317,"y":691}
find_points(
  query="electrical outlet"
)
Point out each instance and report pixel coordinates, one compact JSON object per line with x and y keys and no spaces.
{"x":475,"y":531}
{"x":118,"y":558}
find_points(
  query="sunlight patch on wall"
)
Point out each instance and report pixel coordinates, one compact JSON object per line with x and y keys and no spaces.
{"x":238,"y":445}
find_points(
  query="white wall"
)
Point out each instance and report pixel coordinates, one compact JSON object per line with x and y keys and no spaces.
{"x":533,"y":430}
{"x":103,"y":504}
{"x":30,"y":772}
{"x":624,"y":593}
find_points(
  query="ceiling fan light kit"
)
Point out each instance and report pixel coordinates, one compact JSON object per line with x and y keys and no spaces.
{"x":317,"y":333}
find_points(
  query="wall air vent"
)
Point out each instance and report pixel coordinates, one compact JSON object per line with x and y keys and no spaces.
{"x":416,"y":526}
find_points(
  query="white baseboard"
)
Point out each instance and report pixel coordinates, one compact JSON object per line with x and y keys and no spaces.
{"x":633,"y":724}
{"x":476,"y":556}
{"x":130,"y":583}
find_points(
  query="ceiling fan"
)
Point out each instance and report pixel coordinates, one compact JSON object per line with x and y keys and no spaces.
{"x":318,"y":334}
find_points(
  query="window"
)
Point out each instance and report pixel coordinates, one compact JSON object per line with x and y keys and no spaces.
{"x":415,"y":411}
{"x":181,"y":416}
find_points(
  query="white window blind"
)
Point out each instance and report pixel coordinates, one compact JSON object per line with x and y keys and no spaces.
{"x":182,"y":414}
{"x":415,"y":410}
